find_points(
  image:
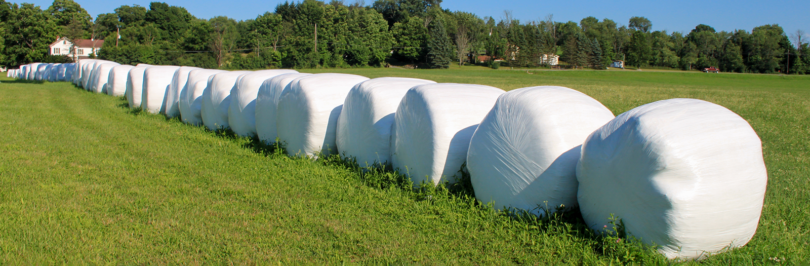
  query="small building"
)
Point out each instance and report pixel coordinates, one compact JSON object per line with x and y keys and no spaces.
{"x":618,"y":64}
{"x":84,"y":47}
{"x":550,"y":59}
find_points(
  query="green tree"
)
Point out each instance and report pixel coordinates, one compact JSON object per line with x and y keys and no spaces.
{"x":29,"y":33}
{"x":173,"y":20}
{"x":105,"y":25}
{"x":64,"y":12}
{"x":439,"y":46}
{"x":596,"y":55}
{"x":411,"y":37}
{"x":223,"y":38}
{"x":131,"y":16}
{"x":639,"y":51}
{"x":640,"y":24}
{"x":73,"y":32}
{"x":763,"y":49}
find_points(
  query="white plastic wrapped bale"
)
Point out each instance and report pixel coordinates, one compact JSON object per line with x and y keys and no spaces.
{"x":42,"y":69}
{"x":101,"y":76}
{"x":216,"y":99}
{"x":179,"y":79}
{"x":68,"y":72}
{"x":87,"y":72}
{"x":117,"y":80}
{"x":53,"y":72}
{"x":23,"y":71}
{"x":524,"y":153}
{"x":46,"y":73}
{"x":92,"y":73}
{"x":242,"y":109}
{"x":433,"y":126}
{"x":266,"y":102}
{"x":685,"y":174}
{"x":308,"y":111}
{"x":190,"y":103}
{"x":156,"y":82}
{"x":364,"y":125}
{"x":135,"y":86}
{"x":58,"y":71}
{"x":79,"y":69}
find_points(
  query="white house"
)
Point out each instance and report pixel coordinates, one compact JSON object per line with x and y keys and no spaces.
{"x":84,"y":47}
{"x":550,"y":59}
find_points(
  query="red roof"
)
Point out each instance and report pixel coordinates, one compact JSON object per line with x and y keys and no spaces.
{"x":89,"y":43}
{"x":84,"y":43}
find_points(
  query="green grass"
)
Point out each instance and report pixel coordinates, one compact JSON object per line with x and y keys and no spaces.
{"x":85,"y":180}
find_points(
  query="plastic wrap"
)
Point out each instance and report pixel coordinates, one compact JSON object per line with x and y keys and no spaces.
{"x":179,"y":80}
{"x":524,"y":153}
{"x":61,"y":70}
{"x":432,"y":129}
{"x":69,"y":72}
{"x":101,"y":76}
{"x":93,"y":73}
{"x":42,"y":70}
{"x":364,"y":125}
{"x":87,"y":72}
{"x":135,"y":86}
{"x":307,"y":113}
{"x":266,"y":103}
{"x":23,"y":72}
{"x":685,"y":174}
{"x":51,"y":72}
{"x":156,"y":82}
{"x":242,"y":109}
{"x":190,"y":103}
{"x":117,"y":80}
{"x":79,"y":71}
{"x":216,"y":99}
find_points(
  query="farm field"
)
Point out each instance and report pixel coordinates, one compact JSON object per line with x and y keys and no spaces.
{"x":85,"y":180}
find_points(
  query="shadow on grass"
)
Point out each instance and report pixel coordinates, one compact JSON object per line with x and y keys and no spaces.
{"x":23,"y":81}
{"x":557,"y":220}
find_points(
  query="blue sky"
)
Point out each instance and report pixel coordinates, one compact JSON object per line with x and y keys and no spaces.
{"x":681,"y":15}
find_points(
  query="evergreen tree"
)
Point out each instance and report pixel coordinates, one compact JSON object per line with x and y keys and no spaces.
{"x":596,"y":55}
{"x":583,"y":50}
{"x":440,"y":49}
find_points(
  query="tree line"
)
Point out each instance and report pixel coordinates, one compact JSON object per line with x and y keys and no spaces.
{"x":418,"y":33}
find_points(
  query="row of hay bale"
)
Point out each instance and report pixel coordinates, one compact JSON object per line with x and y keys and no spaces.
{"x":43,"y":72}
{"x":683,"y":174}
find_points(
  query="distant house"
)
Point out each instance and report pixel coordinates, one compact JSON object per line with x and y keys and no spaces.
{"x":84,"y":47}
{"x":617,"y":64}
{"x":550,"y":59}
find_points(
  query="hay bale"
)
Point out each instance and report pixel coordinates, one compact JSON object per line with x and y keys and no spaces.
{"x":525,"y":152}
{"x":117,"y":80}
{"x":135,"y":86}
{"x":216,"y":99}
{"x":308,"y":112}
{"x":242,"y":109}
{"x":364,"y":125}
{"x":685,"y":174}
{"x":172,"y":100}
{"x":433,"y":126}
{"x":156,"y":82}
{"x":267,"y":102}
{"x":190,"y":103}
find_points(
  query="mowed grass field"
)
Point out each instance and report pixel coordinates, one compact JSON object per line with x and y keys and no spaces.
{"x":85,"y":180}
